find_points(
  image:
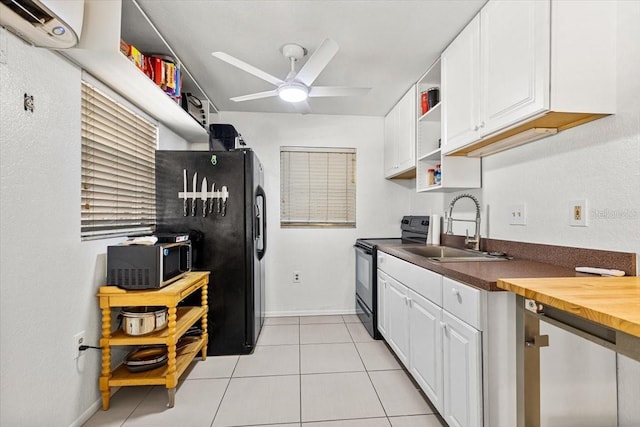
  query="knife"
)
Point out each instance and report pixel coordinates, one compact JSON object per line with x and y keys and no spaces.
{"x":184,"y":192}
{"x":203,"y":196}
{"x":213,"y":189}
{"x":225,"y":196}
{"x":218,"y":202}
{"x":193,"y":195}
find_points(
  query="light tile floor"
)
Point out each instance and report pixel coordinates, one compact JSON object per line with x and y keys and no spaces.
{"x":314,"y":371}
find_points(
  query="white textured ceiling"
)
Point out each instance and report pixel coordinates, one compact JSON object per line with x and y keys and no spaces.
{"x":384,"y":44}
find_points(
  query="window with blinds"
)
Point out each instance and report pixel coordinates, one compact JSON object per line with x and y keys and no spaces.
{"x":317,"y":187}
{"x":118,"y":168}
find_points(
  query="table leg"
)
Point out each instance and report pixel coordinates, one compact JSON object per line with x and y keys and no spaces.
{"x":529,"y":342}
{"x":171,"y":397}
{"x":205,"y":322}
{"x":106,"y":357}
{"x":171,"y":379}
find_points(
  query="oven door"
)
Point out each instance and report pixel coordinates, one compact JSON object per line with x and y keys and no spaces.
{"x":364,"y":279}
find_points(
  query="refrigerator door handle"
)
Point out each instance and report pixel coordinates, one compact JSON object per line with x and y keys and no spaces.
{"x":261,"y":220}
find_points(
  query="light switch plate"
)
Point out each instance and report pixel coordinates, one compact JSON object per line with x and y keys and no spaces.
{"x":578,"y":213}
{"x":518,"y":214}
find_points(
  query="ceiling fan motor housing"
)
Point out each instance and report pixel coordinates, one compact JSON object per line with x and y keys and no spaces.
{"x":293,"y":51}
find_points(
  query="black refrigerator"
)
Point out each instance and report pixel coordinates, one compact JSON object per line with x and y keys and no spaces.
{"x":228,"y":236}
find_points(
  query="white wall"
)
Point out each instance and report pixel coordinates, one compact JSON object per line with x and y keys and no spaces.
{"x":599,"y":162}
{"x":324,"y":257}
{"x":48,"y":277}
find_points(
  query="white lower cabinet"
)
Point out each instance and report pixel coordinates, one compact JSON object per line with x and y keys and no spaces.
{"x":462,"y":371}
{"x":398,"y":302}
{"x":425,"y":347}
{"x":383,"y":308}
{"x":442,"y":352}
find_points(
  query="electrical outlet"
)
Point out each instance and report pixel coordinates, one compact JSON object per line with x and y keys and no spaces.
{"x":78,"y":340}
{"x":518,"y":214}
{"x":296,"y":276}
{"x":578,"y":213}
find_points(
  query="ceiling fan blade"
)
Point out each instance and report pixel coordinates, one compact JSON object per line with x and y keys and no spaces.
{"x":318,"y":91}
{"x":253,"y":96}
{"x":316,"y":63}
{"x":248,"y":68}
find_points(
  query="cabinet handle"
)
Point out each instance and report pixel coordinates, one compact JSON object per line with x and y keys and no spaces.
{"x":482,"y":124}
{"x":443,"y":326}
{"x":455,"y":292}
{"x":409,"y":301}
{"x":476,"y":127}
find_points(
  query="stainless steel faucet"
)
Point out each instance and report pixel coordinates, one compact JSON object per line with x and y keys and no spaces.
{"x":467,"y":241}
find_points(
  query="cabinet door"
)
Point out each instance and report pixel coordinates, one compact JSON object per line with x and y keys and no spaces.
{"x":406,"y":131}
{"x":462,"y":373}
{"x":390,"y":142}
{"x":398,"y":311}
{"x":515,"y":56}
{"x":383,"y":308}
{"x":425,"y":347}
{"x":460,"y":86}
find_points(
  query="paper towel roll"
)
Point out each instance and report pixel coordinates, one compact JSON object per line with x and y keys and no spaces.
{"x":434,"y":225}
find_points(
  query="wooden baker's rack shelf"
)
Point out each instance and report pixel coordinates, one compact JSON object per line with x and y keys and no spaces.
{"x":179,"y":321}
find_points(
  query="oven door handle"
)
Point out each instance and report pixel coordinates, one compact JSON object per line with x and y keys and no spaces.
{"x":360,"y":248}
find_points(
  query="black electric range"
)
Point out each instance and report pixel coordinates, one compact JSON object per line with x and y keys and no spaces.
{"x":414,"y":229}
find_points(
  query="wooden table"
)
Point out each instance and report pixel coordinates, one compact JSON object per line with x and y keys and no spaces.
{"x":180,"y":319}
{"x":604,"y":310}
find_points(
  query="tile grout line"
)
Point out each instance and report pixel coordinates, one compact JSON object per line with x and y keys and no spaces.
{"x":372,"y":384}
{"x":137,"y":406}
{"x":225,"y":392}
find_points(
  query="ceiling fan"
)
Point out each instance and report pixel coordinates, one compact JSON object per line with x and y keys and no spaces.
{"x":296,"y":86}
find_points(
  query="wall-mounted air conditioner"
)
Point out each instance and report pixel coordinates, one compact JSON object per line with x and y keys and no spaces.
{"x":54,"y":24}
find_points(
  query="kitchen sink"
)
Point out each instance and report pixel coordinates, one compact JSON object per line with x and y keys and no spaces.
{"x":446,"y":254}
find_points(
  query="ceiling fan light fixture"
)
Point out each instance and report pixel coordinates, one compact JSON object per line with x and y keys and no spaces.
{"x":293,"y":92}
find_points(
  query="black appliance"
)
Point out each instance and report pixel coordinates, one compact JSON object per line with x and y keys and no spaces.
{"x":228,"y":236}
{"x":414,"y":229}
{"x":147,"y":266}
{"x":224,"y":137}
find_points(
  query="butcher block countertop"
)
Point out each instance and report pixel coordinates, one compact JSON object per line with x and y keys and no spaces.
{"x":610,"y":301}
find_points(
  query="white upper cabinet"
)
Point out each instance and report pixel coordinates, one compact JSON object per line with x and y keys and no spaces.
{"x":400,"y":138}
{"x":461,"y":81}
{"x":105,"y":24}
{"x":514,"y":62}
{"x":523,"y":65}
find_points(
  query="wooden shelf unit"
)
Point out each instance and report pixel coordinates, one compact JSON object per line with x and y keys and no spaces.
{"x":180,"y":320}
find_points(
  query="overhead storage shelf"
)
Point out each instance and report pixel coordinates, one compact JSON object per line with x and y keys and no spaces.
{"x":105,"y":24}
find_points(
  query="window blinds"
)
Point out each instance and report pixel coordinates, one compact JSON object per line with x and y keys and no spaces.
{"x":317,"y":187}
{"x":118,"y":168}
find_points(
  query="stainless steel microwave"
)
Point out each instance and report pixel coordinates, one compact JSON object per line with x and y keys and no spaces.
{"x":147,"y":266}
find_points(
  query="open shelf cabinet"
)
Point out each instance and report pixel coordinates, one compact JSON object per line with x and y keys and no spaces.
{"x":457,"y":172}
{"x":108,"y":22}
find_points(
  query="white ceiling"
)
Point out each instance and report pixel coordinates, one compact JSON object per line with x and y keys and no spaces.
{"x":384,"y":44}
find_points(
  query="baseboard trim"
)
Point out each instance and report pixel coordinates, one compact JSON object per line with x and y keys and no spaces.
{"x":95,"y":407}
{"x":308,"y":313}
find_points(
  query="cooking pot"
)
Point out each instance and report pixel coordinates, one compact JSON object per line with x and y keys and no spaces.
{"x":143,"y":320}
